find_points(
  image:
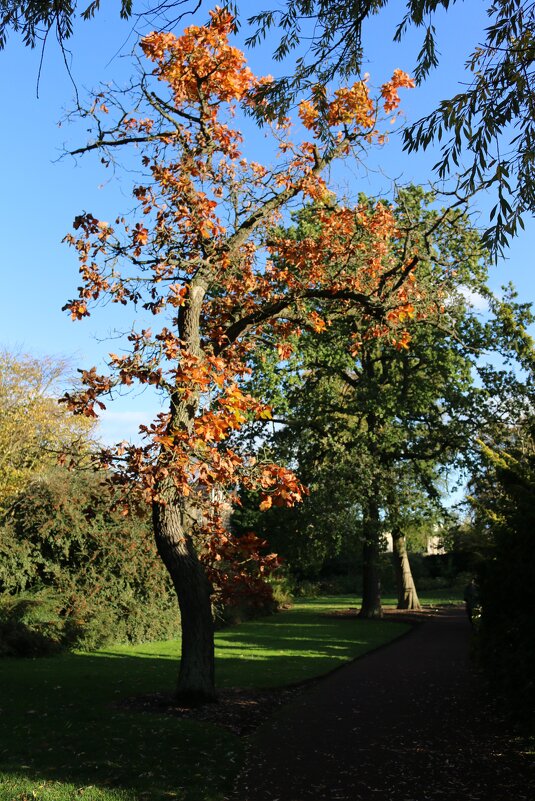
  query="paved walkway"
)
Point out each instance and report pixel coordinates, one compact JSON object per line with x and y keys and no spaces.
{"x":400,"y":724}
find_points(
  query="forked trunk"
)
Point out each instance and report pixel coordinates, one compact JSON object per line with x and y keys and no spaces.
{"x":196,"y":681}
{"x":407,"y":595}
{"x":371,"y":581}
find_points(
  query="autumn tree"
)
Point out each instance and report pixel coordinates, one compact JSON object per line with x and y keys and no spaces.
{"x":34,"y":428}
{"x":202,"y":256}
{"x":487,"y":126}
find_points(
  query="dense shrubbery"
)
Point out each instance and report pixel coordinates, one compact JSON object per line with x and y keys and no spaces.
{"x":505,"y":510}
{"x":74,"y":572}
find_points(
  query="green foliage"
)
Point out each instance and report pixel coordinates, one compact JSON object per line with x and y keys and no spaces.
{"x":492,"y":120}
{"x":76,"y":572}
{"x":30,"y":624}
{"x":373,"y":432}
{"x":380,"y":422}
{"x":282,"y":587}
{"x":316,"y":534}
{"x":34,"y":19}
{"x":504,"y":504}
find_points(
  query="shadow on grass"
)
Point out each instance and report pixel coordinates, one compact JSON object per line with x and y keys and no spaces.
{"x":60,"y":720}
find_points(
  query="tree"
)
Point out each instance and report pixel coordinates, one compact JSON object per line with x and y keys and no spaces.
{"x":34,"y":428}
{"x":384,"y":420}
{"x":36,"y":19}
{"x":413,"y":501}
{"x":491,"y":121}
{"x":502,"y":500}
{"x":202,"y":252}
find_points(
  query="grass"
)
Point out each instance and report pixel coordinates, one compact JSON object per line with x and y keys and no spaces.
{"x":62,"y":738}
{"x":435,"y":597}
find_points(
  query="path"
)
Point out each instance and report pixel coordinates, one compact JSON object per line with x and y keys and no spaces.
{"x":400,"y":724}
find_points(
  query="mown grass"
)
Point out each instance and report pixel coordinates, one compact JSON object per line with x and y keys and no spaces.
{"x":62,"y":736}
{"x":437,"y":597}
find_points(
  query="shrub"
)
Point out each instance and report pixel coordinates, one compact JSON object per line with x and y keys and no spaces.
{"x":282,"y":587}
{"x":64,"y":550}
{"x":505,"y":508}
{"x":30,"y":624}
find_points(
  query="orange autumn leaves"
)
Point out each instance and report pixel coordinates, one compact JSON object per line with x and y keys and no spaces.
{"x":201,"y":65}
{"x":344,"y":236}
{"x":207,"y":256}
{"x":353,"y":105}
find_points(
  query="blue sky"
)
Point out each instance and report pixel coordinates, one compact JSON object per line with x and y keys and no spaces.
{"x":42,"y":194}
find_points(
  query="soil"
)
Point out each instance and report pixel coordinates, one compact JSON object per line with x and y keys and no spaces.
{"x":240,"y":711}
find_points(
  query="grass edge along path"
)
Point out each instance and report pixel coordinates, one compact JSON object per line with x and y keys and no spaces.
{"x":62,"y":737}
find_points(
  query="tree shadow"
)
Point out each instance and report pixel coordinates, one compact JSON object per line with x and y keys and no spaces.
{"x":61,"y":721}
{"x":61,"y":717}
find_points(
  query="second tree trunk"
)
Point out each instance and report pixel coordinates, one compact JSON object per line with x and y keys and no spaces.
{"x":406,"y":590}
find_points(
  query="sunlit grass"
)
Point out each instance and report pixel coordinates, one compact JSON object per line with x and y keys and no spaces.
{"x":437,"y":597}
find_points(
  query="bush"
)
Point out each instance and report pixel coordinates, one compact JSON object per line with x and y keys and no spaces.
{"x":30,"y":625}
{"x":92,"y":574}
{"x":283,"y":588}
{"x":506,"y":510}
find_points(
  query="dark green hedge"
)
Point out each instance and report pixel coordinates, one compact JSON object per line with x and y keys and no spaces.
{"x":505,"y":635}
{"x":74,"y":572}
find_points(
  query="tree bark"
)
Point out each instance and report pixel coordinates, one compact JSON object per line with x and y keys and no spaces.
{"x":371,"y":583}
{"x":174,"y":523}
{"x":407,"y":595}
{"x":196,"y":679}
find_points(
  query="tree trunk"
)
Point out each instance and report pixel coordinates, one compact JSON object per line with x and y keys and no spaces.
{"x":196,"y":680}
{"x":173,"y":523}
{"x":371,"y":582}
{"x":407,"y":595}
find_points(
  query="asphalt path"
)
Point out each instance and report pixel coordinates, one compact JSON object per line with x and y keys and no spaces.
{"x":403,"y":723}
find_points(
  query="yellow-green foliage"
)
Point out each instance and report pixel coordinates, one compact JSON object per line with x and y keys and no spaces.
{"x":34,"y":427}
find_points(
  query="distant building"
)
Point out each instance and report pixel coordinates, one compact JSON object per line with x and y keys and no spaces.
{"x":433,"y":545}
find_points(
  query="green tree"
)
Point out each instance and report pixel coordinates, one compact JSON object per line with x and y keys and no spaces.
{"x":384,"y":421}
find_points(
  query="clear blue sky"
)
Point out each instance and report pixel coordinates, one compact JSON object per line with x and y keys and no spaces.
{"x":41,"y":195}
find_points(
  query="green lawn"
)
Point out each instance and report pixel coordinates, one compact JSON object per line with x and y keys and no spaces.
{"x":431,"y":597}
{"x":61,"y":738}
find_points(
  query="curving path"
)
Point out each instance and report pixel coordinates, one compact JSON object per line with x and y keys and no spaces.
{"x":400,"y":724}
